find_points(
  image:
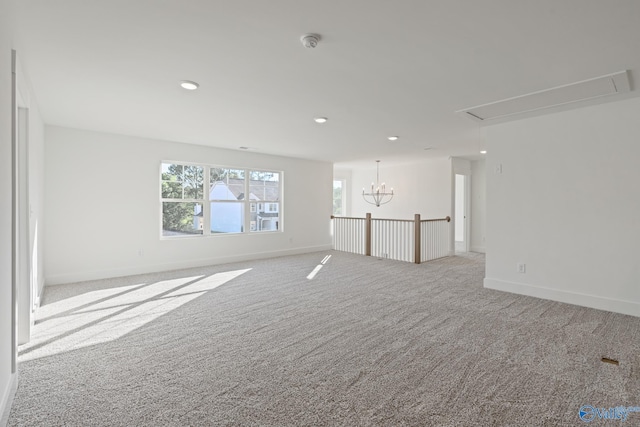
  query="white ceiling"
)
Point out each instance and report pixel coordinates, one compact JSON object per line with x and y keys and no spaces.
{"x":383,"y":67}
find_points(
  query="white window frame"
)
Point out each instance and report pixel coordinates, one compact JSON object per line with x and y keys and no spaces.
{"x":206,"y":201}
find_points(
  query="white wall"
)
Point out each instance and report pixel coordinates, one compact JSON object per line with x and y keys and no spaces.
{"x":6,"y":378}
{"x":478,"y":205}
{"x":102,"y":205}
{"x":567,"y":204}
{"x":423,"y":188}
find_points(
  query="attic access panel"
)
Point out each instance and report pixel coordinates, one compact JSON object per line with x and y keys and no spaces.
{"x":609,"y":84}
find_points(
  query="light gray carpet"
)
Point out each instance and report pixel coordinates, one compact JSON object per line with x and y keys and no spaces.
{"x":365,"y":342}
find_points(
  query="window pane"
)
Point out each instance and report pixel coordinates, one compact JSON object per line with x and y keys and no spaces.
{"x":182,"y":181}
{"x":337,"y":197}
{"x":236,"y":185}
{"x":265,"y":216}
{"x":227,"y":217}
{"x":171,"y":181}
{"x":264,"y":186}
{"x":171,"y":172}
{"x":193,"y":180}
{"x":226,"y":184}
{"x":181,"y":218}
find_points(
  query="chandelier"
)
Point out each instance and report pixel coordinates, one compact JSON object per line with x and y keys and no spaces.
{"x":378,"y":195}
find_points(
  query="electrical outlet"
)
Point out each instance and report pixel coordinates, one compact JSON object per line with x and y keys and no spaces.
{"x":522,"y":267}
{"x":140,"y":252}
{"x":498,"y":168}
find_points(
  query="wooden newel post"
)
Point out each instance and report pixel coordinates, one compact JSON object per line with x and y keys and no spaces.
{"x":367,"y":238}
{"x":416,"y":228}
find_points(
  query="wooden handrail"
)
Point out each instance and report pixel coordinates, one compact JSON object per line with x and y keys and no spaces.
{"x":345,"y":217}
{"x":447,"y":218}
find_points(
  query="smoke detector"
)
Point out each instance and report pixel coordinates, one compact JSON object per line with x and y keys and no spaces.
{"x":310,"y":40}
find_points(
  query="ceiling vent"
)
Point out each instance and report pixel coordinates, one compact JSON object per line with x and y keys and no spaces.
{"x":561,"y":95}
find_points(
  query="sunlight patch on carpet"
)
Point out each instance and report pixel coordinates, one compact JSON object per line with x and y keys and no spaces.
{"x":318,"y":267}
{"x":107,"y":314}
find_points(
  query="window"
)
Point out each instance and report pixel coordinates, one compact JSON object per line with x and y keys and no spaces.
{"x":338,"y":198}
{"x":182,"y":189}
{"x":187,"y":209}
{"x":226,"y":196}
{"x":264,"y":186}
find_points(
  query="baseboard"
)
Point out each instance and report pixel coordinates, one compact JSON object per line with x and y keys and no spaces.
{"x":155,"y":268}
{"x":7,"y":399}
{"x":480,"y":249}
{"x":575,"y":298}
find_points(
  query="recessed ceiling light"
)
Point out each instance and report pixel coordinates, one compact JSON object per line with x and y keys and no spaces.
{"x":483,"y":152}
{"x":189,"y":85}
{"x":320,"y":119}
{"x":392,"y":138}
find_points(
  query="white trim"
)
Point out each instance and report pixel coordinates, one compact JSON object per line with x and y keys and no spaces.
{"x":480,"y":249}
{"x":576,"y":298}
{"x":128,"y":271}
{"x":7,"y":399}
{"x":14,"y":215}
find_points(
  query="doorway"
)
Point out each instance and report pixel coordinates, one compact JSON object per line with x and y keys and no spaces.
{"x":461,"y":214}
{"x":23,"y":251}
